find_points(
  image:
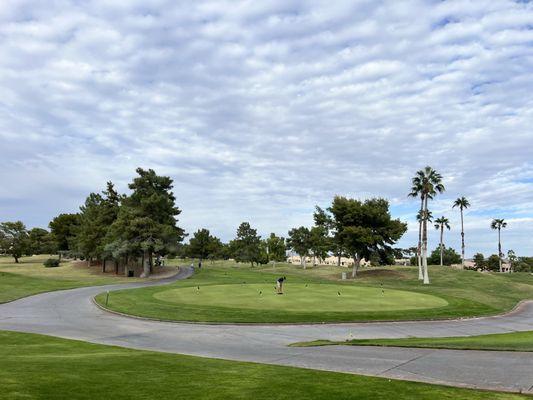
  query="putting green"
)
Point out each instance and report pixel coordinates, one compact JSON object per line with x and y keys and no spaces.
{"x":300,"y":297}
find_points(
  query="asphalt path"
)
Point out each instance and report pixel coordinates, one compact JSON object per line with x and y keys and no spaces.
{"x":72,"y":314}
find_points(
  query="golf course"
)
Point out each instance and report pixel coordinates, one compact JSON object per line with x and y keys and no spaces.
{"x":28,"y":277}
{"x":35,"y":366}
{"x":236,"y":292}
{"x":228,"y":292}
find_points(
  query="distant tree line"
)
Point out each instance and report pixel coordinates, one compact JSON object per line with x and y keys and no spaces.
{"x":142,"y":226}
{"x":109,"y":227}
{"x":493,"y":262}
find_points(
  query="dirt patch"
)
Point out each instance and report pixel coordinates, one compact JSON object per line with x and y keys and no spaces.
{"x":96,"y":269}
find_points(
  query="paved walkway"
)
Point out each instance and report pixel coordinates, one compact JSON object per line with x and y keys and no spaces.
{"x":72,"y":314}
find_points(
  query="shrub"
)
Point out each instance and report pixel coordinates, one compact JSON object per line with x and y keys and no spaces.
{"x":493,"y":263}
{"x":51,"y":263}
{"x":450,"y":256}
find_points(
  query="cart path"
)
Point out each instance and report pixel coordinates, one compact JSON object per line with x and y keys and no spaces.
{"x":72,"y":314}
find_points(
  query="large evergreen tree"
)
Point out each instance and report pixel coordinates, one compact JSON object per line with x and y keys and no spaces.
{"x":64,"y":228}
{"x":246,"y":247}
{"x":40,"y":241}
{"x":203,"y":246}
{"x":96,"y":217}
{"x":146,"y":221}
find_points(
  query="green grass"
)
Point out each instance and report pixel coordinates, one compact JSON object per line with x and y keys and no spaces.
{"x":515,"y":341}
{"x":42,"y":367}
{"x":29,"y":277}
{"x":300,"y":297}
{"x":230,"y":293}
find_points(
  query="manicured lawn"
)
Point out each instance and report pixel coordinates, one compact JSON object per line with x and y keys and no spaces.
{"x":42,"y":367}
{"x":230,"y":292}
{"x":515,"y":341}
{"x":29,"y":277}
{"x":300,"y":297}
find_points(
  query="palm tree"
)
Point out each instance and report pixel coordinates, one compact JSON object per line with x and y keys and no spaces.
{"x":462,"y":203}
{"x":426,"y":183}
{"x":498,"y":224}
{"x":419,"y":217}
{"x":416,"y":191}
{"x":440,"y":224}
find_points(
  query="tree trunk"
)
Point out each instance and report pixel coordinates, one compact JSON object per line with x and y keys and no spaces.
{"x":16,"y":259}
{"x":441,"y":248}
{"x":462,"y":241}
{"x":425,"y":242}
{"x":419,"y":251}
{"x":339,"y":259}
{"x":116,"y":266}
{"x":356,"y":263}
{"x":146,"y":264}
{"x":151,"y":261}
{"x":103,"y":266}
{"x":499,"y":250}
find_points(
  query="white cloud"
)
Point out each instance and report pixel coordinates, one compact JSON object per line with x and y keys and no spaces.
{"x":260,"y":110}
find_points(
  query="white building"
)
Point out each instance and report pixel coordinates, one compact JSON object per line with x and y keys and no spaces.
{"x":330,"y":260}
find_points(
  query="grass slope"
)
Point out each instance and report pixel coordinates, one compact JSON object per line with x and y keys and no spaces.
{"x":467,"y":293}
{"x":515,"y":341}
{"x":29,"y":277}
{"x":42,"y":367}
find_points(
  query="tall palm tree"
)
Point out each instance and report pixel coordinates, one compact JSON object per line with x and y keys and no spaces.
{"x":462,"y":203}
{"x":416,"y":191}
{"x":419,"y":216}
{"x":498,"y":224}
{"x":440,"y":224}
{"x":426,"y":183}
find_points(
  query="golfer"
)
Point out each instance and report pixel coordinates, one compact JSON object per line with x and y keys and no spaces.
{"x":279,"y":285}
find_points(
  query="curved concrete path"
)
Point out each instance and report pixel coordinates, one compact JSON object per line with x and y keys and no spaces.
{"x":72,"y":314}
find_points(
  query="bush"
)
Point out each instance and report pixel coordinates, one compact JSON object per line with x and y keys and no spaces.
{"x":450,"y":257}
{"x":493,"y":263}
{"x":51,"y":263}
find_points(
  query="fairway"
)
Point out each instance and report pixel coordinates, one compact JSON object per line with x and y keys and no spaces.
{"x":299,"y":297}
{"x":43,"y":367}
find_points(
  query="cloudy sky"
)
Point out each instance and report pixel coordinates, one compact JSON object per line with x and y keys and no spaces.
{"x":260,"y":110}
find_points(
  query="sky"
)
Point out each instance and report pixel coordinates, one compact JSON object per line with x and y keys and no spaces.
{"x":261,"y":110}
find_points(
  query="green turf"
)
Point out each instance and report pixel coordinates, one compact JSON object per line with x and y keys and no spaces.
{"x":300,"y":297}
{"x":230,"y":293}
{"x":515,"y":341}
{"x":29,"y":277}
{"x":42,"y":367}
